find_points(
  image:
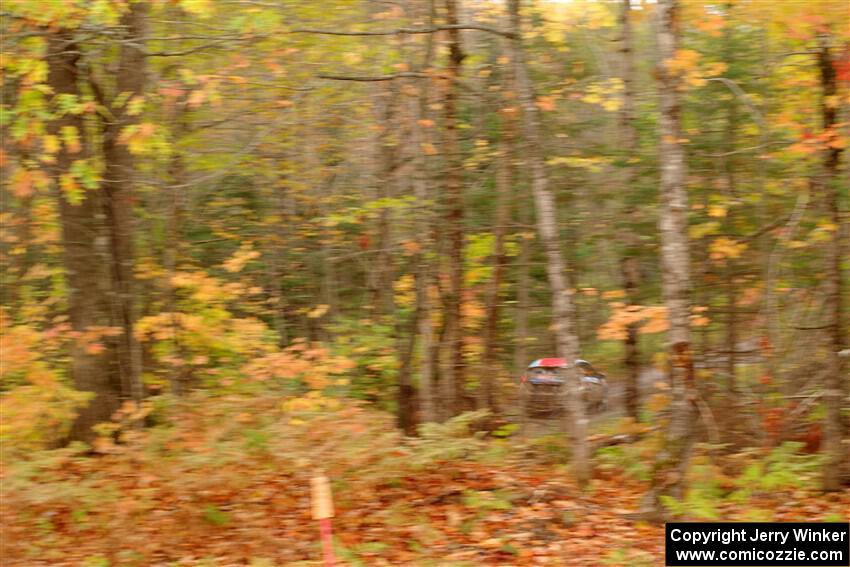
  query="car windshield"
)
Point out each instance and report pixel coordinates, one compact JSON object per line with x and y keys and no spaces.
{"x":544,"y":373}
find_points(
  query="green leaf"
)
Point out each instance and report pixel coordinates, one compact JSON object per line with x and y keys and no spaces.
{"x":215,"y":516}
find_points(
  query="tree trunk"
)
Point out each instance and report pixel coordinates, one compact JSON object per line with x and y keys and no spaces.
{"x":672,"y":459}
{"x":504,"y":180}
{"x":384,"y":101}
{"x":731,"y":269}
{"x":629,"y":266}
{"x":419,"y":111}
{"x":547,"y":225}
{"x":118,"y":190}
{"x":523,"y":283}
{"x":729,"y":167}
{"x":454,"y":386}
{"x":406,"y":412}
{"x":82,"y":237}
{"x":835,"y":386}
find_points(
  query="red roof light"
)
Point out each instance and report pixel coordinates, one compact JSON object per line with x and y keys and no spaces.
{"x":549,"y":363}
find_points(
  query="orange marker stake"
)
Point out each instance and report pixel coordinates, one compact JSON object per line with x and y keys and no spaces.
{"x":323,"y":511}
{"x":327,"y":541}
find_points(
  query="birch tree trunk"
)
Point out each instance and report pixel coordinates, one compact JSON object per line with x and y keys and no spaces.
{"x":629,"y":266}
{"x":672,"y":459}
{"x":523,"y":297}
{"x":522,"y":214}
{"x":547,"y":226}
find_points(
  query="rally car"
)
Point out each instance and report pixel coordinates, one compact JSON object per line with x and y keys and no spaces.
{"x":542,"y":387}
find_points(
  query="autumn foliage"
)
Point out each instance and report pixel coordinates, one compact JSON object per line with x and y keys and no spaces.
{"x":244,"y":243}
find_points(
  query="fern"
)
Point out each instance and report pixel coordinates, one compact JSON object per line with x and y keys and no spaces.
{"x":450,"y":440}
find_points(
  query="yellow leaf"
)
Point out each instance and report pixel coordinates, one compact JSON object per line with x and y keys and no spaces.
{"x":698,"y":231}
{"x":240,"y":258}
{"x":196,"y":98}
{"x":318,"y":311}
{"x":612,"y":104}
{"x":50,"y":144}
{"x":716,"y":211}
{"x":70,"y":188}
{"x":592,"y":98}
{"x":196,"y":7}
{"x":71,"y":138}
{"x":724,"y":247}
{"x":136,"y":105}
{"x":713,"y":69}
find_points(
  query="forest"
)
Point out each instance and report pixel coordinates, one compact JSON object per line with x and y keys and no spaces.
{"x":249,"y":244}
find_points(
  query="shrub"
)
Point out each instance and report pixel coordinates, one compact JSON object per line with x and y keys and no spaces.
{"x":37,"y":405}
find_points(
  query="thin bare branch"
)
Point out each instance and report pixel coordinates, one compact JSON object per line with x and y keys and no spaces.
{"x":374,"y":78}
{"x":408,"y":31}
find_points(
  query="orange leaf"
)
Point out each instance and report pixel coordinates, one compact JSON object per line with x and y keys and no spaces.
{"x":546,"y":103}
{"x":22,"y":183}
{"x":839,"y":142}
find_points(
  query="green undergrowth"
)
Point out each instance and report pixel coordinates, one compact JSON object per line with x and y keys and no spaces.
{"x":718,"y":482}
{"x":204,"y":455}
{"x":205,"y":434}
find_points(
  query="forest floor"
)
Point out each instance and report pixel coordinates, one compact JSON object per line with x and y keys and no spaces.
{"x":227,"y":482}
